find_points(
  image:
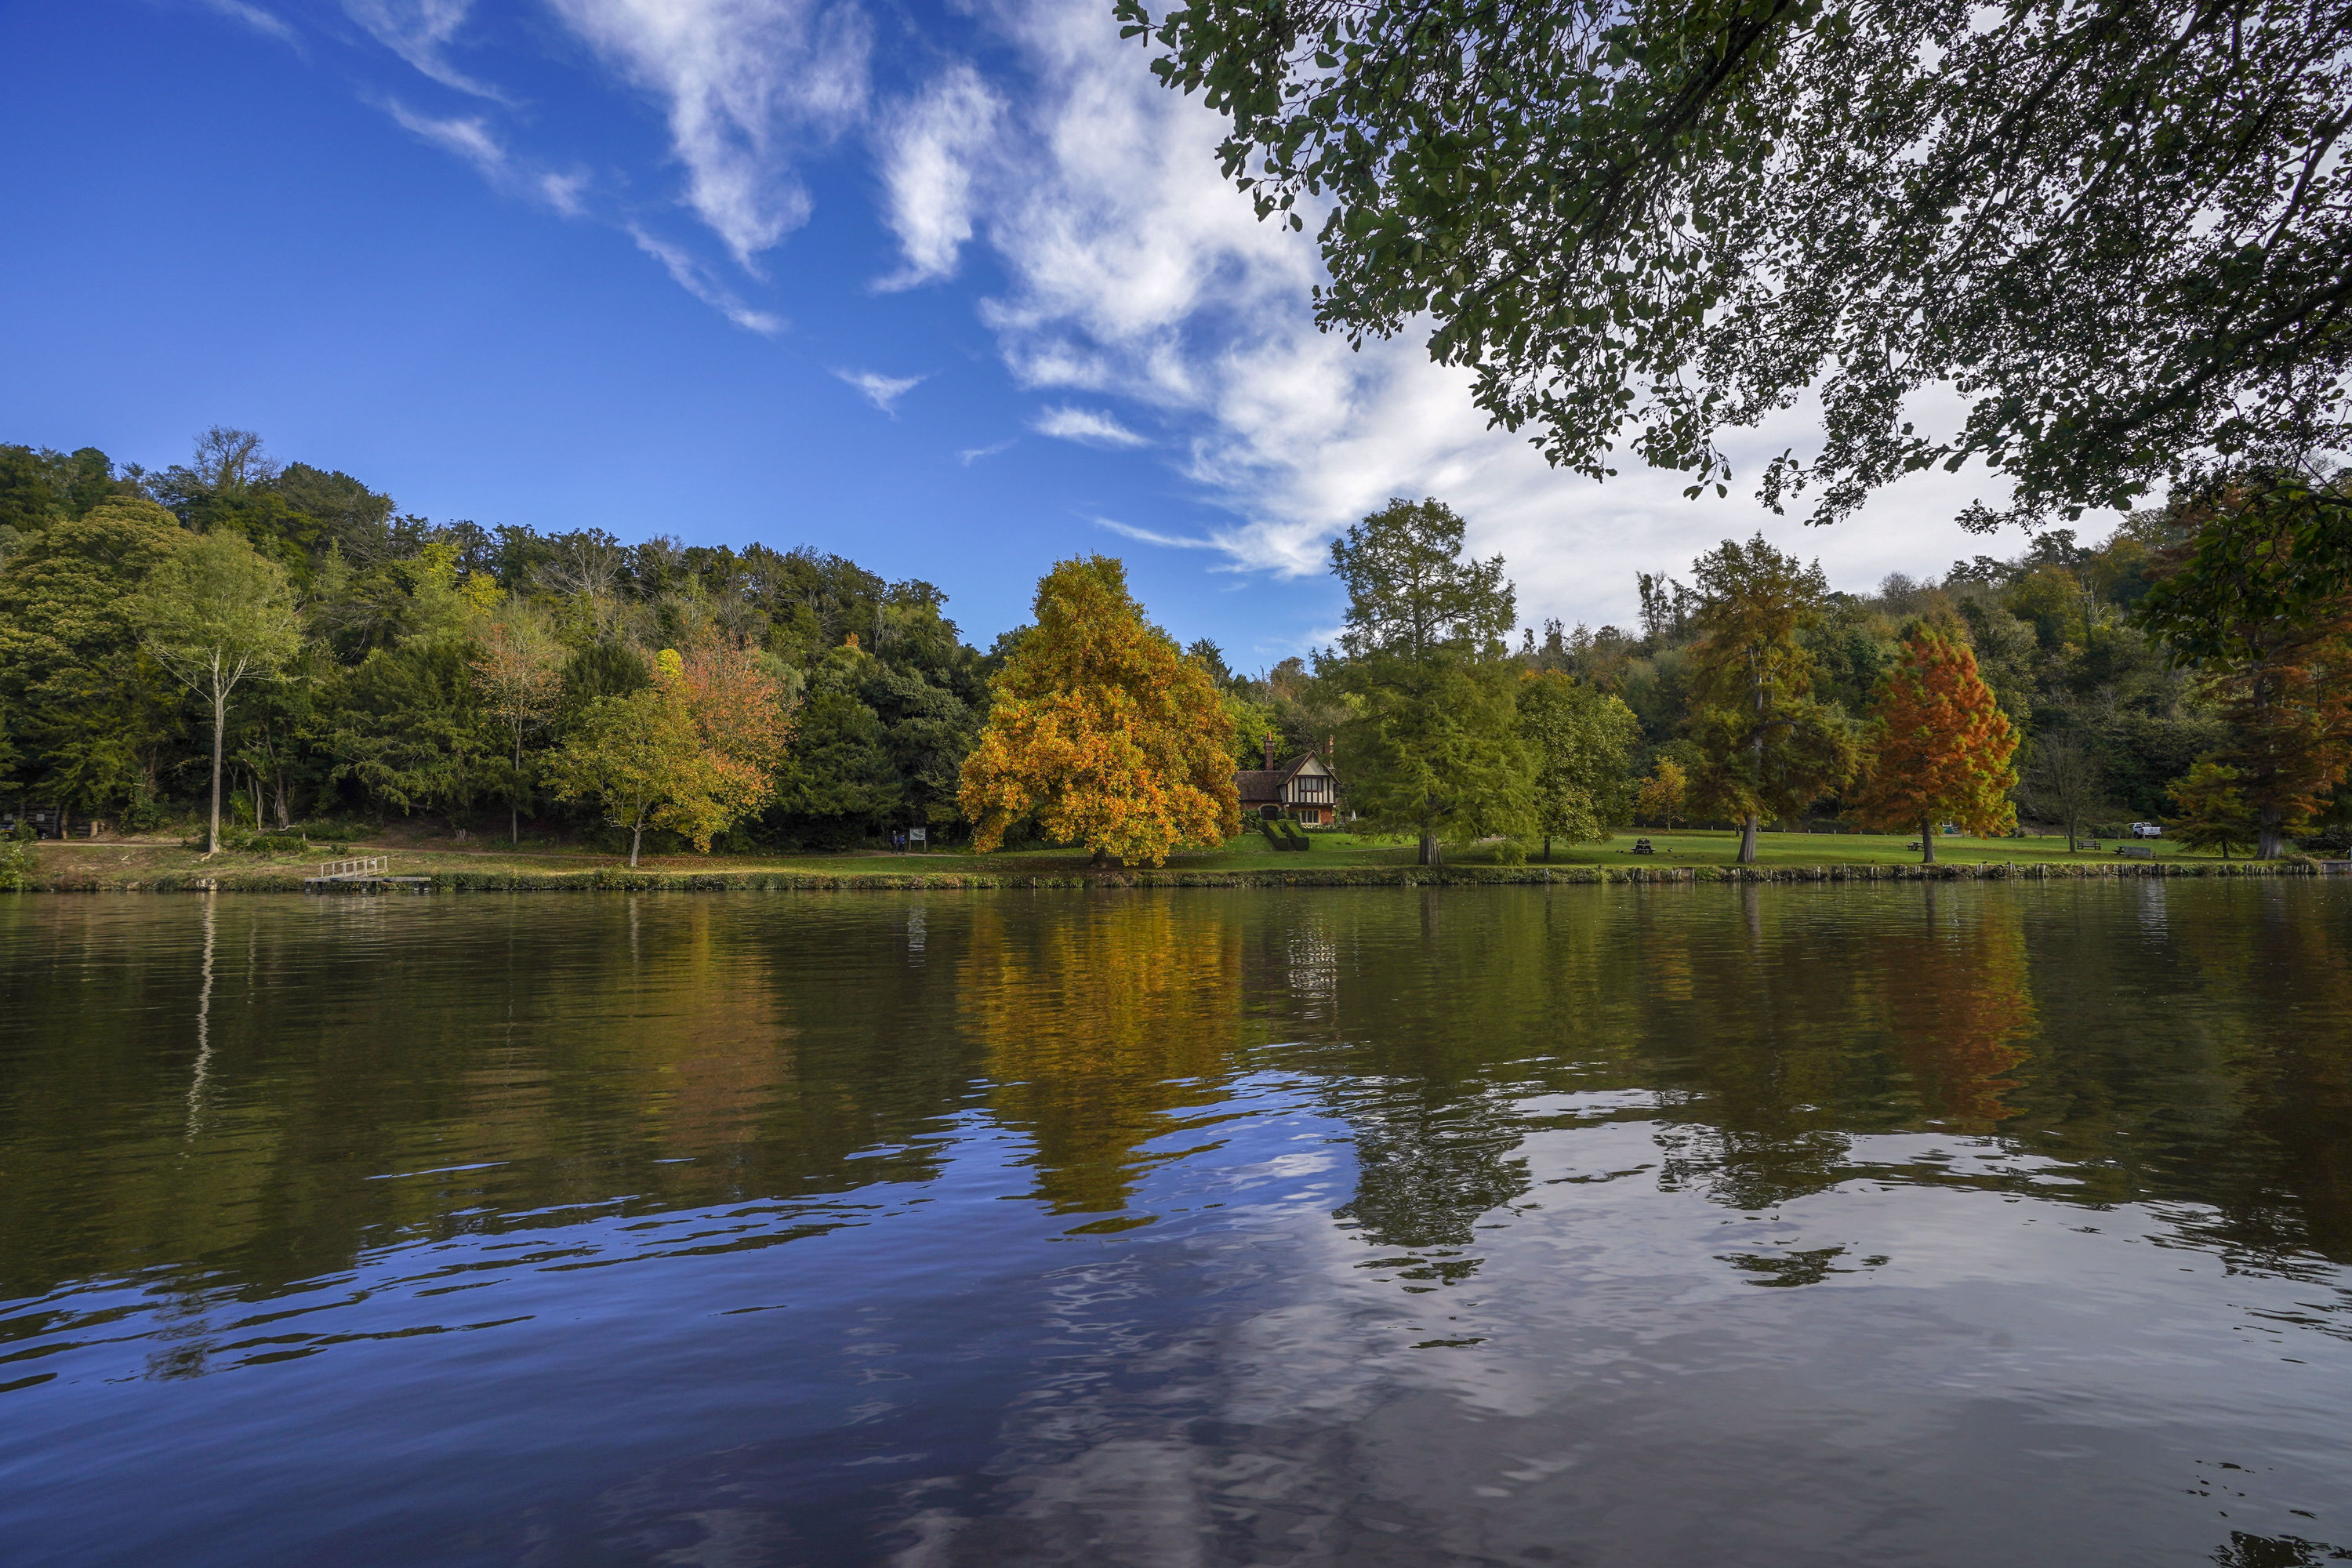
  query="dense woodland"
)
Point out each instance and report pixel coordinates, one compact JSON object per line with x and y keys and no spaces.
{"x":453,"y":671}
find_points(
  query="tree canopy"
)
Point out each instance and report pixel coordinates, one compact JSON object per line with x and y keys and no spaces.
{"x":1432,"y":745}
{"x":2119,"y":231}
{"x":215,"y":613}
{"x":1102,"y":731}
{"x":1769,"y":748}
{"x":1941,"y":749}
{"x":1582,"y":738}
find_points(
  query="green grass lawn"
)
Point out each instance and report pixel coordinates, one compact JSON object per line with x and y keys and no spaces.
{"x":1687,"y":847}
{"x":415,"y":851}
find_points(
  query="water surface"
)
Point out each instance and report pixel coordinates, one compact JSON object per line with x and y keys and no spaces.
{"x":1903,"y":1224}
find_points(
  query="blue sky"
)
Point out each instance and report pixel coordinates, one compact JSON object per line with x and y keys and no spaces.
{"x":952,"y":289}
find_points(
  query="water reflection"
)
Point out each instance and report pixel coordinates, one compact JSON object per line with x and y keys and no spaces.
{"x":1099,"y":1028}
{"x":1959,"y":1001}
{"x":1374,"y":1227}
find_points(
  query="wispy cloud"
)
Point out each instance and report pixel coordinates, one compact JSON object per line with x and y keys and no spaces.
{"x":882,"y":391}
{"x":930,"y":154}
{"x":695,"y":278}
{"x":255,"y":17}
{"x":470,"y":138}
{"x":1146,"y":536}
{"x":420,"y":32}
{"x":562,"y":192}
{"x":1134,"y":269}
{"x":972,"y":455}
{"x":746,"y":83}
{"x":1087,"y":425}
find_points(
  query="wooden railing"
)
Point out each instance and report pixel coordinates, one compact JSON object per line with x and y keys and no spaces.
{"x":365,"y":866}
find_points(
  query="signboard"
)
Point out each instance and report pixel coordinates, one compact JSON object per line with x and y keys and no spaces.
{"x":918,"y":835}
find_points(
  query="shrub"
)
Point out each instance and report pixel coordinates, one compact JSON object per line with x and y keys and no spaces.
{"x":1510,"y":852}
{"x":2334,"y":842}
{"x":20,"y":862}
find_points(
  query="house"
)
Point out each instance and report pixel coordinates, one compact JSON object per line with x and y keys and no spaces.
{"x":1304,"y":788}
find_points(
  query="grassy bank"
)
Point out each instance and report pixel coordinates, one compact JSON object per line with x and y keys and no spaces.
{"x":1336,"y":860}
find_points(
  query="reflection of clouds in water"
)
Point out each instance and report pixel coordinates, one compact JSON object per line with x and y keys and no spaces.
{"x":1628,"y":1395}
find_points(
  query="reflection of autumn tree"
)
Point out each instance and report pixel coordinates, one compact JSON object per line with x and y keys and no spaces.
{"x":1959,"y":1001}
{"x":1100,"y":1020}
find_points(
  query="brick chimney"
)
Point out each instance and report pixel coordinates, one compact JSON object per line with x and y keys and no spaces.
{"x":1269,"y":750}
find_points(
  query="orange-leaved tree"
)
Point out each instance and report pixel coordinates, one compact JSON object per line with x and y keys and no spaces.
{"x":695,"y":752}
{"x":1944,"y":751}
{"x":1102,"y":729}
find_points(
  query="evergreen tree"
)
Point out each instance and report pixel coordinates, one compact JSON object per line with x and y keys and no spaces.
{"x":1767,"y":747}
{"x":2214,"y":810}
{"x":1433,"y":747}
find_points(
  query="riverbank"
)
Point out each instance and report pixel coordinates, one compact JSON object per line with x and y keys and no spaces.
{"x":1688,"y":858}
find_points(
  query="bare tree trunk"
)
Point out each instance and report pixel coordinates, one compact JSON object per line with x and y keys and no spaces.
{"x":514,"y":801}
{"x":2270,"y":835}
{"x":1747,"y":839}
{"x":637,"y":836}
{"x":220,"y":723}
{"x":1431,"y":852}
{"x":1546,"y":849}
{"x":1926,"y":843}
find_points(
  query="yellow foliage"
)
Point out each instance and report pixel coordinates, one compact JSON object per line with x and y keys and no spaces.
{"x":1102,"y":729}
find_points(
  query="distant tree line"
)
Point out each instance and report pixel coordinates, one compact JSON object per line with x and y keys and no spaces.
{"x":490,"y":676}
{"x":275,"y":645}
{"x":2084,"y":686}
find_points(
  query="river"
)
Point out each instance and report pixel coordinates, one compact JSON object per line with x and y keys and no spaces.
{"x":1950,"y":1224}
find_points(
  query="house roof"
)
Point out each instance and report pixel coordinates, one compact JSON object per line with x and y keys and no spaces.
{"x":1260,"y":783}
{"x":1265,"y":784}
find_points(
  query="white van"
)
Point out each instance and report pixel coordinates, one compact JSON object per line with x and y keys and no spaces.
{"x":2147,"y":830}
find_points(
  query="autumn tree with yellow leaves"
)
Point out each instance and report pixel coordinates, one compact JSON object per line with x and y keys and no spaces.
{"x":1102,"y":731}
{"x":1943,"y":751}
{"x":694,"y":752}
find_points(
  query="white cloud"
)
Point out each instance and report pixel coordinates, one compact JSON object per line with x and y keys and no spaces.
{"x":929,"y":174}
{"x":562,"y":192}
{"x":972,"y":455}
{"x":253,"y":16}
{"x":882,"y":391}
{"x":1146,"y":536}
{"x":695,"y":278}
{"x":1135,"y":272}
{"x":471,"y":139}
{"x":420,"y":32}
{"x":1086,"y":426}
{"x":746,"y":83}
